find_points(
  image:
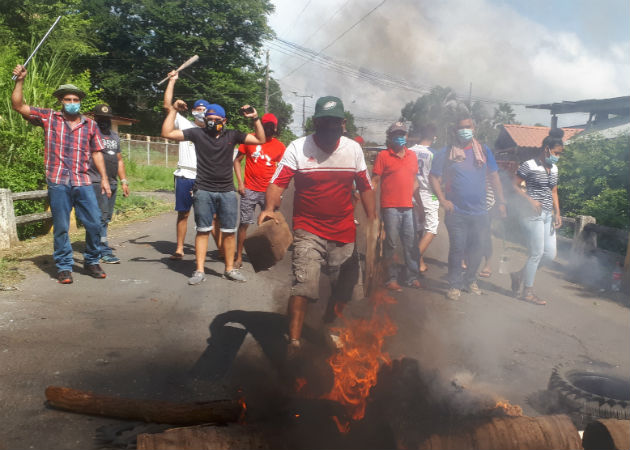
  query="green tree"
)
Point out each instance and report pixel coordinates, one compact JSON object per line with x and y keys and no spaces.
{"x":439,"y":106}
{"x":504,"y":114}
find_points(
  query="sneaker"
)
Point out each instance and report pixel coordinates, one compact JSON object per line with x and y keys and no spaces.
{"x":110,"y":259}
{"x":474,"y":289}
{"x":235,"y":275}
{"x":197,"y":278}
{"x":64,"y":277}
{"x":95,"y":271}
{"x":453,"y":294}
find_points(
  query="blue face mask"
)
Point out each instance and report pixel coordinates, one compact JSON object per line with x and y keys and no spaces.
{"x":72,"y":108}
{"x":465,"y":134}
{"x":552,"y":159}
{"x":400,"y":141}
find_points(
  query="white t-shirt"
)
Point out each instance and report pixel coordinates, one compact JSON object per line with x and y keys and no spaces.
{"x":187,"y":162}
{"x":425,"y":159}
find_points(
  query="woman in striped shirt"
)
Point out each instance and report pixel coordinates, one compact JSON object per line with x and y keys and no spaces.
{"x":541,"y":179}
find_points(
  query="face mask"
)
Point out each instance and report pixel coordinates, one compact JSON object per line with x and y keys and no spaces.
{"x":465,"y":134}
{"x":72,"y":108}
{"x":551,"y":160}
{"x":270,"y":130}
{"x":328,"y":136}
{"x":105,"y":125}
{"x":399,"y":141}
{"x":198,"y":115}
{"x":213,"y":127}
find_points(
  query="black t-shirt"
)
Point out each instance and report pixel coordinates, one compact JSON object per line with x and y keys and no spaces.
{"x":111,"y":144}
{"x":215,"y":158}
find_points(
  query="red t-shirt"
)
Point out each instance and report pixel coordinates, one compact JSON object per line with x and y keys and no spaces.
{"x":260,"y":163}
{"x":397,"y":177}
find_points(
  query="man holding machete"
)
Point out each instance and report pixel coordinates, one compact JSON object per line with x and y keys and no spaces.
{"x":213,"y":191}
{"x":70,"y":139}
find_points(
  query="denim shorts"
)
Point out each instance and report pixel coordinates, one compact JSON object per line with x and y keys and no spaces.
{"x":223,"y":204}
{"x":248,"y":205}
{"x":183,"y":193}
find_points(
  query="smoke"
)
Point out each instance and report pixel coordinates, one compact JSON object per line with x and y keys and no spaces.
{"x":503,"y":54}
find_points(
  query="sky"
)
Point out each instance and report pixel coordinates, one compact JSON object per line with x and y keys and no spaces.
{"x":518,"y":51}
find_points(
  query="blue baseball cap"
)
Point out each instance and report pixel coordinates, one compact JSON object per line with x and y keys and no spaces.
{"x":215,"y":110}
{"x":203,"y":103}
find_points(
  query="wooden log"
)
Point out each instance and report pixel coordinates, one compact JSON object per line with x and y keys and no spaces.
{"x":204,"y":438}
{"x":35,"y":217}
{"x":30,"y":195}
{"x":85,"y":402}
{"x":607,"y":434}
{"x":269,"y":243}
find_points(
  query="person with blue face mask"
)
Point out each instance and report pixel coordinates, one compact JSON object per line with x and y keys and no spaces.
{"x":540,"y":175}
{"x":465,"y":167}
{"x":395,"y":169}
{"x":71,"y":142}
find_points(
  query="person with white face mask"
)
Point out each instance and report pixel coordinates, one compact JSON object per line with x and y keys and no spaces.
{"x":464,"y":166}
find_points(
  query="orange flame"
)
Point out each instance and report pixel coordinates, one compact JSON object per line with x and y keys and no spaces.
{"x":241,"y":418}
{"x":508,"y":408}
{"x":299,"y":384}
{"x":355,"y":366}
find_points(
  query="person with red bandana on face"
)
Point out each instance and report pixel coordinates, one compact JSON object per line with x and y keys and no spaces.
{"x":260,"y":164}
{"x":324,"y":166}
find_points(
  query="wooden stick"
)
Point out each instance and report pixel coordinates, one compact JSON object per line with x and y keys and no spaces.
{"x":85,"y":402}
{"x":188,"y":62}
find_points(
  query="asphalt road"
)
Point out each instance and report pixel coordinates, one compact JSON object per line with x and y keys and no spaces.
{"x":144,"y":333}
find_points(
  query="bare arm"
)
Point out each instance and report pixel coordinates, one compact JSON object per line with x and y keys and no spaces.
{"x":99,"y":163}
{"x":168,"y":127}
{"x":368,"y":200}
{"x":556,"y":207}
{"x":122,"y":174}
{"x":273,"y":198}
{"x":535,"y":205}
{"x":259,"y":131}
{"x":239,"y":175}
{"x":170,"y":87}
{"x":436,"y":185}
{"x":376,"y":180}
{"x":17,"y":96}
{"x":497,"y":187}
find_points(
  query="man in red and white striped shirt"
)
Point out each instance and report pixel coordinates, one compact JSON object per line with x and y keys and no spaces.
{"x":324,"y":166}
{"x":70,"y":140}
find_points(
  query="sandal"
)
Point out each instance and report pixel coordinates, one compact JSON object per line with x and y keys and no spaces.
{"x":393,"y":286}
{"x":414,"y":284}
{"x":176,"y":256}
{"x":530,"y":297}
{"x":485,"y":273}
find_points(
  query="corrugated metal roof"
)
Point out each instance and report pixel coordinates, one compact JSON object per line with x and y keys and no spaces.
{"x":529,"y":136}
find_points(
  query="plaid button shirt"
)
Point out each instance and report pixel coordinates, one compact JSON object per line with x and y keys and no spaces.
{"x":67,"y":150}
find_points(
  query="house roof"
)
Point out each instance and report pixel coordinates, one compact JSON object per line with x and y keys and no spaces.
{"x":529,"y":136}
{"x":616,"y":105}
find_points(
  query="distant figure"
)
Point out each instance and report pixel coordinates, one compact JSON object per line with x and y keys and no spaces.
{"x":325,"y":165}
{"x":260,"y":164}
{"x":395,"y":169}
{"x":213,"y":192}
{"x":115,"y":167}
{"x":464,"y":166}
{"x":540,"y":175}
{"x":429,"y":201}
{"x":70,"y":139}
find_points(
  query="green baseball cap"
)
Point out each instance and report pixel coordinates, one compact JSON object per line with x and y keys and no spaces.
{"x":68,"y":89}
{"x":329,"y":107}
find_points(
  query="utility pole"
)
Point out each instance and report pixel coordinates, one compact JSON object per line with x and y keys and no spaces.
{"x":267,"y":85}
{"x":304,"y":97}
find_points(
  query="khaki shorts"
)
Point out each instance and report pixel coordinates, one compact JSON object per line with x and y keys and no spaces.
{"x":310,"y":254}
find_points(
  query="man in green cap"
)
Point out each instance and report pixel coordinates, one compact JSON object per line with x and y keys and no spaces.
{"x":325,"y":166}
{"x":70,"y":140}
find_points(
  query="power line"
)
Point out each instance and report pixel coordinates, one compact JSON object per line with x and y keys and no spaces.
{"x":297,"y":18}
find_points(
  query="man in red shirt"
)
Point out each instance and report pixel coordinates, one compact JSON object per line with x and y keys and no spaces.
{"x":70,"y":139}
{"x":324,"y":166}
{"x":260,"y":164}
{"x":396,"y":169}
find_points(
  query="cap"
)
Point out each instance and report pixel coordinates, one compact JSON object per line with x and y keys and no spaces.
{"x":397,"y":126}
{"x":102,"y":110}
{"x":359,"y":139}
{"x":201,"y":102}
{"x":269,"y":118}
{"x":215,"y":110}
{"x":329,"y":107}
{"x":68,"y":89}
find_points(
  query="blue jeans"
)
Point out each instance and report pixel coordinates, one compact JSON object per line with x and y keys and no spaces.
{"x":223,"y":204}
{"x":465,"y":237}
{"x":62,"y":198}
{"x":399,"y":225}
{"x":541,"y":243}
{"x":106,"y":205}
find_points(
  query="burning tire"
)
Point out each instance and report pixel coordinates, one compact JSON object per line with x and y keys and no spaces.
{"x":589,"y":395}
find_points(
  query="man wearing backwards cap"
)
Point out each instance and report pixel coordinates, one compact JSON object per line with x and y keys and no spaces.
{"x":213,"y":192}
{"x":260,"y":165}
{"x":186,"y":171}
{"x":70,"y":140}
{"x":325,"y":165}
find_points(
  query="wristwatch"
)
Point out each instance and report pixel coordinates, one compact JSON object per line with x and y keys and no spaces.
{"x":124,"y":181}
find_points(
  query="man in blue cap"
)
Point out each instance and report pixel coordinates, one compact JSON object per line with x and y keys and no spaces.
{"x":186,"y":171}
{"x":213,"y":191}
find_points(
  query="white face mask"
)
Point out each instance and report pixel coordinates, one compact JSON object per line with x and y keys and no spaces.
{"x":198,"y":115}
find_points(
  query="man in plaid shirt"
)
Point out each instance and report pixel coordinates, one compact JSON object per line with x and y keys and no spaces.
{"x":70,"y":139}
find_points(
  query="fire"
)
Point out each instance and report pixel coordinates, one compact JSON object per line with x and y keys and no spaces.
{"x":241,"y":401}
{"x":508,"y":408}
{"x":355,"y":366}
{"x":299,"y":384}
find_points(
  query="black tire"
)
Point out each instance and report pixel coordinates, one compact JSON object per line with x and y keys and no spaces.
{"x":587,"y":394}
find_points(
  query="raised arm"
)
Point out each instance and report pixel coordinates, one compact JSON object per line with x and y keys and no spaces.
{"x":259,"y":131}
{"x":17,"y":96}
